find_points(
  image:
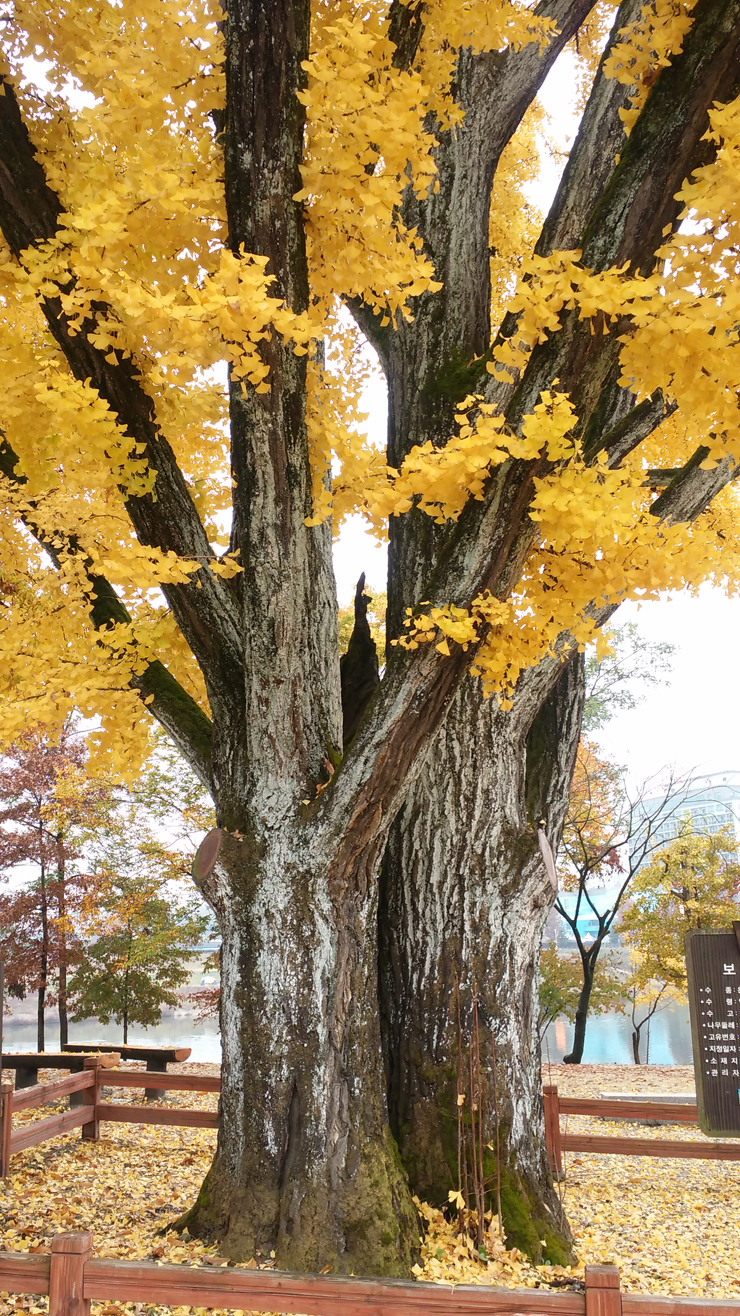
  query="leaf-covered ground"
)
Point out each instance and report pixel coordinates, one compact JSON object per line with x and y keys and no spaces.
{"x":671,"y":1226}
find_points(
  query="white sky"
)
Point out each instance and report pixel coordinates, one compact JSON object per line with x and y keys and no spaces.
{"x":693,"y":720}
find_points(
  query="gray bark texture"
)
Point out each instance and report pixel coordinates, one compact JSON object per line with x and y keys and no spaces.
{"x":463,"y":894}
{"x":381,"y":885}
{"x":463,"y":899}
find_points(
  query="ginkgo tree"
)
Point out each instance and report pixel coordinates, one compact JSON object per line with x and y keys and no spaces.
{"x":201,"y":217}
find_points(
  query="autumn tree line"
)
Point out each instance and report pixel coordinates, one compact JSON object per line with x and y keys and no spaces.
{"x":95,"y":918}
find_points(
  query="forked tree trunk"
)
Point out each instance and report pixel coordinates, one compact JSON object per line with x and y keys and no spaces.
{"x":305,"y":1164}
{"x":464,"y":898}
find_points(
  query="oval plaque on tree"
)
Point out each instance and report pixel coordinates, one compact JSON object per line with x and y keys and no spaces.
{"x":206,"y":855}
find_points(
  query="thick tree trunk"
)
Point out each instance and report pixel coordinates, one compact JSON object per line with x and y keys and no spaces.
{"x":464,"y":897}
{"x":305,"y":1165}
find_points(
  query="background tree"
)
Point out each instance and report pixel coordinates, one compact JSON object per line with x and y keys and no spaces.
{"x":48,"y":805}
{"x":54,"y":817}
{"x":692,"y":883}
{"x":212,"y":200}
{"x":561,"y":985}
{"x":606,"y":839}
{"x":139,"y":942}
{"x":646,"y":998}
{"x":619,"y":674}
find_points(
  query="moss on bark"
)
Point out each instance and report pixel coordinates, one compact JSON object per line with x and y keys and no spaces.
{"x":370,"y":1229}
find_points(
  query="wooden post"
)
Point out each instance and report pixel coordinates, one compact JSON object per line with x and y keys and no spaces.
{"x":603,"y":1294}
{"x":69,"y":1252}
{"x":551,"y":1104}
{"x":91,"y":1097}
{"x":6,"y":1124}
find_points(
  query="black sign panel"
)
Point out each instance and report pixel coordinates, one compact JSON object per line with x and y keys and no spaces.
{"x":713,"y":968}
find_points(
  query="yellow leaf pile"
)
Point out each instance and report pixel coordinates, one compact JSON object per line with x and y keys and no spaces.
{"x":671,"y":1226}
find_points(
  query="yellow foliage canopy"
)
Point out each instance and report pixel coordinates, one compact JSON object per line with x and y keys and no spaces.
{"x":125,"y":135}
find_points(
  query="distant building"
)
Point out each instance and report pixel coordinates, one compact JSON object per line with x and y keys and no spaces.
{"x":711,"y":801}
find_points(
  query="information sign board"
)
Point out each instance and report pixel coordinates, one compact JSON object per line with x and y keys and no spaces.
{"x":713,"y":969}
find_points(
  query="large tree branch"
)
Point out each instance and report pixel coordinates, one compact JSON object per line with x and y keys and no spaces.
{"x":490,"y":542}
{"x":692,"y":489}
{"x":205,"y":608}
{"x":637,"y":206}
{"x":591,"y":161}
{"x":435,"y":361}
{"x":451,"y":328}
{"x":293,"y":710}
{"x":177,"y":712}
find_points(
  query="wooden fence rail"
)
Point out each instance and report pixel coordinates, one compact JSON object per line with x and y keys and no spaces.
{"x":89,"y":1115}
{"x":612,"y":1145}
{"x":72,"y":1276}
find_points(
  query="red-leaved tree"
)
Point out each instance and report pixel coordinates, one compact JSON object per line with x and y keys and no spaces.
{"x":48,"y":804}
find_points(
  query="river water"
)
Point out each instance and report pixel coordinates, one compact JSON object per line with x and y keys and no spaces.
{"x":608,"y":1037}
{"x":176,"y":1028}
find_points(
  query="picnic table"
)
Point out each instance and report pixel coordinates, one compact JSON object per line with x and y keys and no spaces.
{"x":156,"y":1058}
{"x":72,"y":1056}
{"x":28,"y":1063}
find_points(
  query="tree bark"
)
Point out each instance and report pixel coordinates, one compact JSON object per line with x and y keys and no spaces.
{"x":464,"y":897}
{"x":305,"y":1164}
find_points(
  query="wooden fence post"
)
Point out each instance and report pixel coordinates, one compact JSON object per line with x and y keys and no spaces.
{"x":91,"y":1097}
{"x":69,"y":1252}
{"x":603,"y":1294}
{"x":551,"y":1104}
{"x":6,"y":1124}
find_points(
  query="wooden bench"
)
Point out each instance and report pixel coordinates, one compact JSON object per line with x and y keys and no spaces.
{"x":156,"y":1058}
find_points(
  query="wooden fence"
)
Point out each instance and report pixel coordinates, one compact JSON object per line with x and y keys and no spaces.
{"x":72,"y":1276}
{"x":89,"y":1115}
{"x":609,"y":1144}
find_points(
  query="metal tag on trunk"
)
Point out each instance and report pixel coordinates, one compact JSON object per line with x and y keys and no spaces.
{"x":713,"y":972}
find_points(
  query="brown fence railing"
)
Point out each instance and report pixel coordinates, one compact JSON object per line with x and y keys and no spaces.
{"x":88,"y":1116}
{"x":72,"y":1276}
{"x":613,"y":1145}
